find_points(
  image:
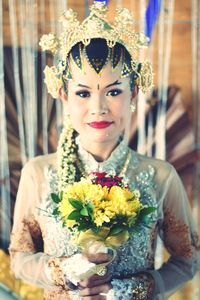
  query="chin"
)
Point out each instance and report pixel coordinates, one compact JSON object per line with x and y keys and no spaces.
{"x":103,"y":139}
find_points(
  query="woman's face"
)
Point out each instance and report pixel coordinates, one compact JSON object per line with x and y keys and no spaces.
{"x":98,"y":105}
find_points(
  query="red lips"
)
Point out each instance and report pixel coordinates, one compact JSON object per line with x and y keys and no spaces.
{"x":100,"y":125}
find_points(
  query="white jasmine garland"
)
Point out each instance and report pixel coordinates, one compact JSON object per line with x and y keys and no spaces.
{"x":66,"y":154}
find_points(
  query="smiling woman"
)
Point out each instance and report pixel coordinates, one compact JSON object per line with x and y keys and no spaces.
{"x":99,"y":102}
{"x":97,"y":76}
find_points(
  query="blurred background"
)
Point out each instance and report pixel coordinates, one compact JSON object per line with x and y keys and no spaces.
{"x":166,"y":125}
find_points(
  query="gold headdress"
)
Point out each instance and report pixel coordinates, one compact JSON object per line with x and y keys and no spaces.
{"x":96,"y":25}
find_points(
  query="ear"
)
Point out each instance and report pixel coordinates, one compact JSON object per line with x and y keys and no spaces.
{"x":134,"y":92}
{"x":63,"y":95}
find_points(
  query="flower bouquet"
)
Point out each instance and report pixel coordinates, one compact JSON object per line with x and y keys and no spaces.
{"x":101,"y":213}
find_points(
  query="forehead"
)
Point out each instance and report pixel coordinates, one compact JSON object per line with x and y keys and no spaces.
{"x":88,"y":76}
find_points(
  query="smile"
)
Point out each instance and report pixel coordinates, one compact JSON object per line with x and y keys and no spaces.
{"x":100,"y":125}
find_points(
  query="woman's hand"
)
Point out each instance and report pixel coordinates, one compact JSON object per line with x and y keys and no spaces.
{"x":96,"y":287}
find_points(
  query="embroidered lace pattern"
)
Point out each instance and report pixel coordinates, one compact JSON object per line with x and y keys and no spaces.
{"x":55,"y":272}
{"x":176,"y":233}
{"x":29,"y":238}
{"x":51,"y":226}
{"x":112,"y":165}
{"x":137,"y":288}
{"x":56,"y":295}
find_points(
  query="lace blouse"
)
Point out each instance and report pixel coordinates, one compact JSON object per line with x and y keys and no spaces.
{"x":39,"y":240}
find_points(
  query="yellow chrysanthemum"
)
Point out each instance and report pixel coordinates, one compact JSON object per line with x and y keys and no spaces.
{"x":100,"y":217}
{"x":86,"y":192}
{"x":108,"y":203}
{"x":65,"y":207}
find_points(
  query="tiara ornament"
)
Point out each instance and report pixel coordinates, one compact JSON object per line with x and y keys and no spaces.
{"x":96,"y":25}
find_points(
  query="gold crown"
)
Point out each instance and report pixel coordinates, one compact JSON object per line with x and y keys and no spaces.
{"x":96,"y":25}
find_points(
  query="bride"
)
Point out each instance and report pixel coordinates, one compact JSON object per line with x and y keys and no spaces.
{"x":97,"y":76}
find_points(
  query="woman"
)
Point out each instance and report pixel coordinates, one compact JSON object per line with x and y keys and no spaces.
{"x":97,"y":77}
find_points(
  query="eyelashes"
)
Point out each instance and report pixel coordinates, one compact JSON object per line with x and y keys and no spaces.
{"x":83,"y":94}
{"x":114,"y":92}
{"x":87,"y":94}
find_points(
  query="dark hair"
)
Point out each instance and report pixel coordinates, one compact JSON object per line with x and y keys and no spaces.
{"x":98,"y":53}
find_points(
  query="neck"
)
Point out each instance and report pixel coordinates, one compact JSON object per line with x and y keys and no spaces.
{"x":100,"y":151}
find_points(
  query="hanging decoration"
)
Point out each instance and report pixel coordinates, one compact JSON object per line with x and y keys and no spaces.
{"x":29,"y":41}
{"x":44,"y":91}
{"x":151,"y":16}
{"x":164,"y":44}
{"x":164,"y":40}
{"x":4,"y":166}
{"x":18,"y":92}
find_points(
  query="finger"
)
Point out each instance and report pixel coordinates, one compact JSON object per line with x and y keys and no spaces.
{"x":95,"y":297}
{"x":98,"y":258}
{"x":104,"y":288}
{"x":95,"y":280}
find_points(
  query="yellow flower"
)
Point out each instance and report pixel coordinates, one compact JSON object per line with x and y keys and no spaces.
{"x":86,"y":192}
{"x":95,"y":193}
{"x":65,"y":207}
{"x":100,"y":217}
{"x":108,"y":203}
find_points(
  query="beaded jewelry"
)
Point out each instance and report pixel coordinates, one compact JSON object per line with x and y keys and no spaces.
{"x":133,"y":107}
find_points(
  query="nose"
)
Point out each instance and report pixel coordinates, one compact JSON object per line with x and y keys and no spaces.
{"x":98,"y":106}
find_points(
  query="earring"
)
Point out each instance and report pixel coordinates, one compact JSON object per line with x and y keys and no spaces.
{"x":133,"y":107}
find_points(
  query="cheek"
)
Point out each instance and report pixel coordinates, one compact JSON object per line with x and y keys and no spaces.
{"x":122,"y":109}
{"x":75,"y":109}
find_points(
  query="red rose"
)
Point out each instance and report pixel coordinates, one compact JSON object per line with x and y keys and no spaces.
{"x":103,"y":179}
{"x":99,"y":174}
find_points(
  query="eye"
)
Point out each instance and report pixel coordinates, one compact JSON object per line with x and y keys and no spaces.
{"x":83,"y":94}
{"x":114,"y":93}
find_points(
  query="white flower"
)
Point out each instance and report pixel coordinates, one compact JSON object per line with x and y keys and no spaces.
{"x":49,"y":42}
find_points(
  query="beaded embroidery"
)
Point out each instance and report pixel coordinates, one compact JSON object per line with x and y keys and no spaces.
{"x":175,"y":229}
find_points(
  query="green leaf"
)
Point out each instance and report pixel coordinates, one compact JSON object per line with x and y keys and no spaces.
{"x":116,"y":230}
{"x":84,"y":212}
{"x":55,"y":198}
{"x":56,"y":211}
{"x":147,"y":210}
{"x":83,"y":226}
{"x":61,"y":195}
{"x":135,"y":230}
{"x":74,"y":215}
{"x":90,"y":206}
{"x":76,"y":203}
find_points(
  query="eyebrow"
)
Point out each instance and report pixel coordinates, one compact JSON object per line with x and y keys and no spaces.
{"x":109,"y":85}
{"x":114,"y":83}
{"x":82,"y":85}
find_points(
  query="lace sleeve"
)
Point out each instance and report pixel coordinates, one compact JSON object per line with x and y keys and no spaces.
{"x":180,"y":239}
{"x":26,"y":248}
